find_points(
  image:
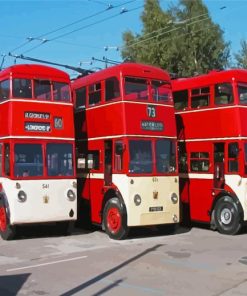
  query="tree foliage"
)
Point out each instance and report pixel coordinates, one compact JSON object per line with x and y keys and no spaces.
{"x":183,"y":39}
{"x":241,"y":56}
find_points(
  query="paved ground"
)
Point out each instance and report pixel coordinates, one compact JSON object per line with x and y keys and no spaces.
{"x":194,"y":261}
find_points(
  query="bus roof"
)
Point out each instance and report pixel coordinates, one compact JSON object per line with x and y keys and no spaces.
{"x":210,"y":78}
{"x":32,"y":70}
{"x":132,"y":69}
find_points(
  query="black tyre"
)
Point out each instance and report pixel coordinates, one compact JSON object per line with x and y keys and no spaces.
{"x":65,"y":227}
{"x":115,"y":220}
{"x":7,"y":231}
{"x":227,"y":216}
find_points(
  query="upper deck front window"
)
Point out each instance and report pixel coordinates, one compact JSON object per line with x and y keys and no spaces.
{"x":22,"y":88}
{"x":42,"y":89}
{"x":112,"y":90}
{"x":136,"y":88}
{"x":181,"y":99}
{"x":161,"y":91}
{"x":61,"y":92}
{"x":223,"y":94}
{"x":242,"y":93}
{"x":200,"y":97}
{"x":4,"y":90}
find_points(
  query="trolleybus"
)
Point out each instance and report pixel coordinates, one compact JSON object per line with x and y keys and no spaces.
{"x":126,"y":148}
{"x":211,"y":115}
{"x":37,"y":172}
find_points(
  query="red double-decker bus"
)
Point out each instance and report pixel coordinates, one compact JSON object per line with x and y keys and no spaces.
{"x":37,"y":173}
{"x":126,"y":148}
{"x":211,"y":112}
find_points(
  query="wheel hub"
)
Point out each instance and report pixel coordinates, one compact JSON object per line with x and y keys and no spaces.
{"x":114,"y":220}
{"x":226,"y":216}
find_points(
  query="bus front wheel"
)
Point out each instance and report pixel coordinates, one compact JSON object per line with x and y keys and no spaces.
{"x":115,"y":220}
{"x":7,"y":231}
{"x":227,"y":216}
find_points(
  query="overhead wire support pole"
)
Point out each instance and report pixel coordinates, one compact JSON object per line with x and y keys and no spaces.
{"x":77,"y":69}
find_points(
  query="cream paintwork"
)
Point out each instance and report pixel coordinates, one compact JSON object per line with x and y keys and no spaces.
{"x":239,"y":186}
{"x":145,"y":187}
{"x":34,"y":209}
{"x":235,"y":182}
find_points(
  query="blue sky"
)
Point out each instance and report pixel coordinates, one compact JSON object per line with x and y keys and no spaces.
{"x":95,"y":29}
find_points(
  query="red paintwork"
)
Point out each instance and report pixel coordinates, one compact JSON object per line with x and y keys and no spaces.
{"x":117,"y":119}
{"x":114,"y":220}
{"x":206,"y":126}
{"x":34,"y":71}
{"x":3,"y":219}
{"x":12,"y":110}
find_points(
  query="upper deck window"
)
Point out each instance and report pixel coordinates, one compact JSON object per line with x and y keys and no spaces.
{"x":161,"y":91}
{"x":200,"y":97}
{"x":242,"y":93}
{"x":94,"y":93}
{"x":223,"y":94}
{"x":22,"y":88}
{"x":42,"y":89}
{"x":180,"y":99}
{"x":112,"y":90}
{"x":4,"y":90}
{"x":136,"y":88}
{"x":61,"y":92}
{"x":80,"y":97}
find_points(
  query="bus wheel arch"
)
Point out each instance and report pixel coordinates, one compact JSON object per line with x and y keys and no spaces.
{"x":114,"y":221}
{"x":7,"y":231}
{"x":227,"y":214}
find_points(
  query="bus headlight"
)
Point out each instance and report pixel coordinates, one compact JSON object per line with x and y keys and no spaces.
{"x":174,"y":198}
{"x":71,"y":195}
{"x":137,"y":200}
{"x":22,"y":196}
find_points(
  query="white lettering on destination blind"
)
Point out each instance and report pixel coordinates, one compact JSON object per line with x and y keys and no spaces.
{"x":37,"y":127}
{"x":37,"y":115}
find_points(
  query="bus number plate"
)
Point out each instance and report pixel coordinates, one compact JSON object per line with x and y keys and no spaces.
{"x":155,"y":209}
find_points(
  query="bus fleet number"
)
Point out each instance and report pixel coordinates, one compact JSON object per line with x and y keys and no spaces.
{"x":45,"y":186}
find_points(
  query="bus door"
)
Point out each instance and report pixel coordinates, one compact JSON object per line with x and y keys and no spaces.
{"x":108,"y":163}
{"x":219,"y":172}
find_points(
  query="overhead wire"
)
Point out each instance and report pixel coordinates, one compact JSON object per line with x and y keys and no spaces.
{"x":83,"y":27}
{"x":185,"y":22}
{"x":29,"y":39}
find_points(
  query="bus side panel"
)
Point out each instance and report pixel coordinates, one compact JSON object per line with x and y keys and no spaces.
{"x":243,"y":121}
{"x":96,"y":198}
{"x":216,"y":123}
{"x":103,"y":121}
{"x":200,"y":198}
{"x":5,"y":120}
{"x":35,"y":119}
{"x":138,"y":114}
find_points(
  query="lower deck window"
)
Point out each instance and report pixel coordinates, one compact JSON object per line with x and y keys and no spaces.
{"x":199,"y":162}
{"x":59,"y":159}
{"x":28,"y":160}
{"x":140,"y":156}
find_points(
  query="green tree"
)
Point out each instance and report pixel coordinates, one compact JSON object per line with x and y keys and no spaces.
{"x":241,"y":56}
{"x":183,"y":39}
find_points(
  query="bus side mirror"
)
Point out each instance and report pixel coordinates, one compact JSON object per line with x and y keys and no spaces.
{"x":119,"y":148}
{"x":81,"y":163}
{"x":90,"y":163}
